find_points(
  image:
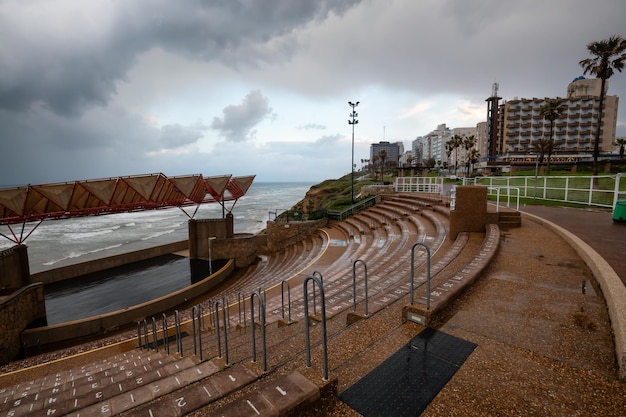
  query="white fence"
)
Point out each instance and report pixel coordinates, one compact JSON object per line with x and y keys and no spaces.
{"x":600,"y":191}
{"x":419,"y":185}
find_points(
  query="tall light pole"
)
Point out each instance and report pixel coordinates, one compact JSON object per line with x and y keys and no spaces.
{"x":352,"y":122}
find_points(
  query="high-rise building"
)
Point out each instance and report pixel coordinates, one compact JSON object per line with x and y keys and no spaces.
{"x":435,"y":142}
{"x":417,"y":146}
{"x":574,"y":131}
{"x":391,"y":149}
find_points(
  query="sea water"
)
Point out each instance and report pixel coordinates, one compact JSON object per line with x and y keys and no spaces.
{"x":55,"y":243}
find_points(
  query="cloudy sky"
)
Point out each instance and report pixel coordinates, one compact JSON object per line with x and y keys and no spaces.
{"x":93,"y":89}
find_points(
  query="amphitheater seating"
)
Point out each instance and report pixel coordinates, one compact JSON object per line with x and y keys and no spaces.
{"x":143,"y":382}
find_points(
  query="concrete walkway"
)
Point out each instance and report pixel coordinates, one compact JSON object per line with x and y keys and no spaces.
{"x":595,"y":227}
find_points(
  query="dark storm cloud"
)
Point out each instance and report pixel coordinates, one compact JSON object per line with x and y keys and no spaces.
{"x":73,"y":69}
{"x":239,"y":120}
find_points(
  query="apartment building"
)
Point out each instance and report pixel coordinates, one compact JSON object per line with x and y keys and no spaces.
{"x":417,"y":147}
{"x":574,"y":130}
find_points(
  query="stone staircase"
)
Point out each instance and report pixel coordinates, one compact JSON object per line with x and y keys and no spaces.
{"x":144,"y":382}
{"x":508,"y":219}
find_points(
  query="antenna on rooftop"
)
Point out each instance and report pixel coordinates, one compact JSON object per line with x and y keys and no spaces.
{"x":494,"y":90}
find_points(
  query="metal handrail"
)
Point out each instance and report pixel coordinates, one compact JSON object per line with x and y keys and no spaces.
{"x":139,"y":345}
{"x":166,"y":336}
{"x":427,"y":272}
{"x":354,"y":284}
{"x":146,"y":338}
{"x":355,"y":208}
{"x":154,"y":335}
{"x":179,"y":337}
{"x":219,"y":303}
{"x":262,"y":314}
{"x":320,"y":285}
{"x":282,"y":299}
{"x":241,"y":300}
{"x":319,"y":276}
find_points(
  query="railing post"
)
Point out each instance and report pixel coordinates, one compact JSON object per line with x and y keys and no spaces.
{"x":616,"y":193}
{"x":241,"y":300}
{"x":319,"y":276}
{"x":427,"y":272}
{"x":194,"y":311}
{"x":282,"y":299}
{"x":154,"y":335}
{"x":354,"y":285}
{"x":179,"y":337}
{"x":262,"y":314}
{"x":139,"y":345}
{"x":219,"y":303}
{"x":146,"y":338}
{"x":320,"y":285}
{"x":166,"y":338}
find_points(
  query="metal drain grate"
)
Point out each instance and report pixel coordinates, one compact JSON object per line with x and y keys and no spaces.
{"x":405,"y":383}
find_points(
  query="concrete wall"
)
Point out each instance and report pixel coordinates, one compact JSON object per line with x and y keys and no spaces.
{"x":201,"y":230}
{"x":17,"y":311}
{"x":14,"y":269}
{"x":470,"y":212}
{"x":281,"y":234}
{"x":89,"y":267}
{"x":242,"y":248}
{"x":99,"y":325}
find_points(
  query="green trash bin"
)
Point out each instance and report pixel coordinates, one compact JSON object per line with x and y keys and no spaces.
{"x":619,"y":212}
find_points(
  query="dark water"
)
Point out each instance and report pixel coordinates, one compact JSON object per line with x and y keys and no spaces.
{"x":122,"y":287}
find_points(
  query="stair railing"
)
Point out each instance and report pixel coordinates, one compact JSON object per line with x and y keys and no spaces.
{"x":354,"y":284}
{"x":282,"y":299}
{"x":319,"y":282}
{"x":427,"y":273}
{"x":218,"y":304}
{"x":253,"y":324}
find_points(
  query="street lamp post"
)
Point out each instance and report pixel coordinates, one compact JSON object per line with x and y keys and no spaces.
{"x":352,"y":122}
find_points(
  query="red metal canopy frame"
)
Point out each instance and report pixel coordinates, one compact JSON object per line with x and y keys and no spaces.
{"x":31,"y":203}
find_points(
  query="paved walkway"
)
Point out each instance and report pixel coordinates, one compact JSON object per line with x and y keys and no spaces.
{"x":595,"y":227}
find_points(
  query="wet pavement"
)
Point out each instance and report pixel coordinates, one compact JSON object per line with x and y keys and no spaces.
{"x":595,"y":227}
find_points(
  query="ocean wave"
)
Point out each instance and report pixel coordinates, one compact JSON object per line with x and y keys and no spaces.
{"x":155,"y":235}
{"x":78,"y":254}
{"x":87,"y":235}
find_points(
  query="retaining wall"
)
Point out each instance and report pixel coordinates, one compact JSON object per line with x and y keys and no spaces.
{"x":89,"y":267}
{"x":101,"y":324}
{"x":281,"y":234}
{"x":17,"y":311}
{"x":14,"y":269}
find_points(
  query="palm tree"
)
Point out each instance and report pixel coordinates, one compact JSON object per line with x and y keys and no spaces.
{"x":540,"y":147}
{"x":468,"y":143}
{"x":608,"y":54}
{"x":373,"y":166}
{"x":621,"y":142}
{"x":449,"y":150}
{"x":552,"y":110}
{"x":457,"y":142}
{"x":382,"y":154}
{"x":474,"y":156}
